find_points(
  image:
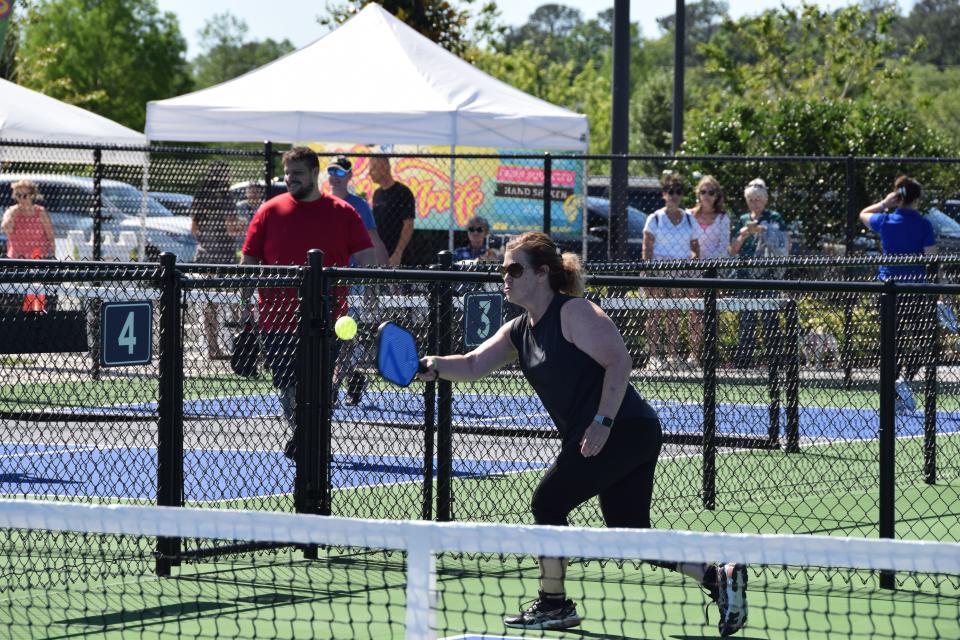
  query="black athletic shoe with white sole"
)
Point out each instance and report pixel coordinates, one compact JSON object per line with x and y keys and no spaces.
{"x":546,"y":613}
{"x":731,"y":597}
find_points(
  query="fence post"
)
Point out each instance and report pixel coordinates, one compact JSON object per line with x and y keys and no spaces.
{"x":308,"y":480}
{"x":97,"y":204}
{"x":710,"y":357}
{"x":792,"y":374}
{"x":887,"y":435}
{"x":445,"y":397}
{"x":547,"y":191}
{"x":846,"y":356}
{"x":850,"y":185}
{"x":169,"y":407}
{"x":430,"y":399}
{"x":267,"y":169}
{"x":930,"y":302}
{"x":324,"y":363}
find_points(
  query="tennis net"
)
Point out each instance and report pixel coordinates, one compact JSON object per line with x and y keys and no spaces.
{"x":74,"y":570}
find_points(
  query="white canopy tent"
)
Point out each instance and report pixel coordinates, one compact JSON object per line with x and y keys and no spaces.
{"x":374,"y":79}
{"x":27,"y":115}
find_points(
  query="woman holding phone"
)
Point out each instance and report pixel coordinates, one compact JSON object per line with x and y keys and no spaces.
{"x":573,"y":355}
{"x":904,"y":231}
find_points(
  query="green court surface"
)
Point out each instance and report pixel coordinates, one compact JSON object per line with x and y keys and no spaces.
{"x":352,"y":593}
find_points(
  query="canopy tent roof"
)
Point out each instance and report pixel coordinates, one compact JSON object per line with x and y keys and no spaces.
{"x":27,"y":115}
{"x":374,"y":79}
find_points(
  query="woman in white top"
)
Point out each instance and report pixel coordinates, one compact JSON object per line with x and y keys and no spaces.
{"x":672,"y":233}
{"x":714,"y":224}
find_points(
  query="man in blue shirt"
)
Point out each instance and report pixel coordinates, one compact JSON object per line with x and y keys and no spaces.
{"x":904,"y":231}
{"x":339,"y":173}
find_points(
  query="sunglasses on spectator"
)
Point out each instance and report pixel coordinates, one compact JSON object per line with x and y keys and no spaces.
{"x":678,"y":191}
{"x":514,"y":270}
{"x":476,"y":229}
{"x":21,"y":196}
{"x":336,"y":171}
{"x":708,"y":192}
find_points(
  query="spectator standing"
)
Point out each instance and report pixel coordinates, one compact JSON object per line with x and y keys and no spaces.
{"x":252,"y":199}
{"x":710,"y":214}
{"x":671,"y":233}
{"x":283,"y":231}
{"x":904,"y":231}
{"x":27,"y":224}
{"x":759,"y":233}
{"x":394,"y":209}
{"x":216,"y":226}
{"x":339,"y":174}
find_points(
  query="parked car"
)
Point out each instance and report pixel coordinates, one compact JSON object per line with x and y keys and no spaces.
{"x":178,"y":203}
{"x":70,"y":201}
{"x":239,"y":189}
{"x":598,"y":226}
{"x":946,"y":229}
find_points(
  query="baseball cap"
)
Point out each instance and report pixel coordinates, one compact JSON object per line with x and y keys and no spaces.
{"x":342,"y":162}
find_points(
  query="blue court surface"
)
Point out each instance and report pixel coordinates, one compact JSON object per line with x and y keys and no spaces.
{"x":80,"y":470}
{"x":517,"y":411}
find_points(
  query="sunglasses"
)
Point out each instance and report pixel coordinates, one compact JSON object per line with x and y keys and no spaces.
{"x":476,"y":229}
{"x":21,"y":196}
{"x":708,"y":192}
{"x":514,"y":270}
{"x":673,"y":192}
{"x":336,"y":171}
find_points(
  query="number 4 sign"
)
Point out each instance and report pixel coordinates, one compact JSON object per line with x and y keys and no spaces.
{"x":126,"y":333}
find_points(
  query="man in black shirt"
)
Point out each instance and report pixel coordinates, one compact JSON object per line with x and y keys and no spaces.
{"x":394,"y":209}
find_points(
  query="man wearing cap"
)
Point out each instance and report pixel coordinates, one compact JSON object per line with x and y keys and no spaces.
{"x":339,"y":173}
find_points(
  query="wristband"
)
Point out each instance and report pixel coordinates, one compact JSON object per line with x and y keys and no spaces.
{"x":604,"y":420}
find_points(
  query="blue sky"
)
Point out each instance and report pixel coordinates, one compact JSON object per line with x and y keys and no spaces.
{"x":295,"y":19}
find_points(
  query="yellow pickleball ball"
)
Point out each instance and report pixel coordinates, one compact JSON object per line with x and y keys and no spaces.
{"x":345,"y":328}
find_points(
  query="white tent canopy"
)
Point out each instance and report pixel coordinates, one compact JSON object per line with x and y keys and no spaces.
{"x":27,"y":115}
{"x":374,"y":79}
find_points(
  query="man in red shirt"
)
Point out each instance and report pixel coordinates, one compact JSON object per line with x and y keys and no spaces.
{"x":283,"y":231}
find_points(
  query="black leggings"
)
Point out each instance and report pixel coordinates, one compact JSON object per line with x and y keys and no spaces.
{"x":621,"y":475}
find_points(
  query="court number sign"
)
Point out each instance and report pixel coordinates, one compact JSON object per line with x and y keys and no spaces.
{"x":482,"y":317}
{"x":126,"y":333}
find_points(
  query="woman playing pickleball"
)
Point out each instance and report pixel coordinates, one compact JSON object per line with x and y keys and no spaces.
{"x":575,"y":359}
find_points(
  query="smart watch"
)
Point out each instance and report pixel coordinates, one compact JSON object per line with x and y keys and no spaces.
{"x":604,"y":420}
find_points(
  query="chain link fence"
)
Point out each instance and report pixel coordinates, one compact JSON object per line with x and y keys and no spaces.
{"x":819,"y":402}
{"x":131,"y":203}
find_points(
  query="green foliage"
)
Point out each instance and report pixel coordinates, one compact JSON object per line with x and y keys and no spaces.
{"x":805,"y":51}
{"x":457,"y":26}
{"x":812,"y":193}
{"x":227,"y":54}
{"x":110,"y":56}
{"x":937,"y":22}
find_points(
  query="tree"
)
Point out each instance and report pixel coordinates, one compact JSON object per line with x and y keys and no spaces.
{"x":455,"y":26}
{"x":805,"y":51}
{"x":938,"y":23}
{"x":813,"y":192}
{"x":703,"y":19}
{"x":108,"y":56}
{"x":227,"y":54}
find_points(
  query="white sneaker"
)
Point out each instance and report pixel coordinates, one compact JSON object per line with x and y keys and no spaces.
{"x":905,"y":404}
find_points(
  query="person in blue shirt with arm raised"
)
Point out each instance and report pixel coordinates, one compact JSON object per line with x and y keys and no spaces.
{"x":905,"y":231}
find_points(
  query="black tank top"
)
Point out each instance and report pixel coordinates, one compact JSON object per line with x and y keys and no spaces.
{"x":568,"y":381}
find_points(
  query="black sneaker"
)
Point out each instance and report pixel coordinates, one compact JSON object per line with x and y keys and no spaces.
{"x":731,"y":597}
{"x":355,"y":389}
{"x":546,"y":613}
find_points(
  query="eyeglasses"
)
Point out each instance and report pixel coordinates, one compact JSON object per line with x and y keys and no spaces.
{"x":336,"y":171}
{"x":476,"y":229}
{"x":708,"y":192}
{"x":22,"y":196}
{"x":674,"y":191}
{"x":514,"y":270}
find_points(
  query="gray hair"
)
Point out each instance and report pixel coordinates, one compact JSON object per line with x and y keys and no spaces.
{"x":756,"y":187}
